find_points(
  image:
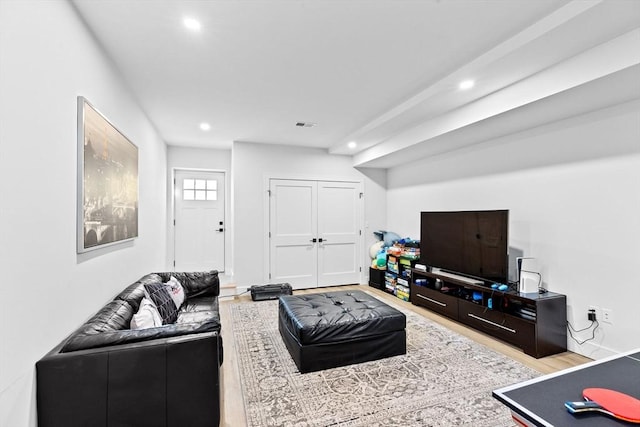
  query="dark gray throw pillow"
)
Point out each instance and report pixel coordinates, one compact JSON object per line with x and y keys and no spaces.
{"x":161,"y":298}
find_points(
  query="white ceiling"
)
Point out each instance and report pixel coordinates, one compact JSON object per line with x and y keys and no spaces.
{"x":383,"y":73}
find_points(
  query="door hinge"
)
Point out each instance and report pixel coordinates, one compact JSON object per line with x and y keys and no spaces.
{"x":269,"y":234}
{"x":360,"y":232}
{"x":360,"y":269}
{"x":269,"y":276}
{"x":174,"y":263}
{"x":361,"y":195}
{"x":269,"y":193}
{"x":174,"y":222}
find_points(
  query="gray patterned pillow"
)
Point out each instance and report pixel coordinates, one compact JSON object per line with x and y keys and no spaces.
{"x":158,"y":293}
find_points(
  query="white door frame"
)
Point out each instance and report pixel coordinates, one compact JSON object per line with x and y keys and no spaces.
{"x":266,"y":218}
{"x":227,"y":216}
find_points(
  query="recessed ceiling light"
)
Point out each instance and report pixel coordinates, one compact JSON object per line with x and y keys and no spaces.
{"x":205,"y":126}
{"x":352,"y":145}
{"x":466,"y":84}
{"x":192,"y":24}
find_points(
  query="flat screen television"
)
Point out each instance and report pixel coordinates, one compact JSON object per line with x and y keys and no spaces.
{"x":471,"y":243}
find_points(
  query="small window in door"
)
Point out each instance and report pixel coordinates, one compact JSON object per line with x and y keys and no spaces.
{"x":199,"y":189}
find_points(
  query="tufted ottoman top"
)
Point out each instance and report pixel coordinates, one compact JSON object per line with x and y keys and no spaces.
{"x":337,"y":316}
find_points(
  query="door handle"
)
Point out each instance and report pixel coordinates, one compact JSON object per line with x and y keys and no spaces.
{"x":220,"y":230}
{"x":314,"y":240}
{"x":322,"y":240}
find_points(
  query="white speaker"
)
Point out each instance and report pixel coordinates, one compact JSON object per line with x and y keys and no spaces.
{"x":529,"y":275}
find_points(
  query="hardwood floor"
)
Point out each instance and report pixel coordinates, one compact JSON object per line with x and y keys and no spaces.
{"x":232,"y":400}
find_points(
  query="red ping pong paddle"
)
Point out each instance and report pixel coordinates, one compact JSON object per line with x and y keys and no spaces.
{"x":611,"y":402}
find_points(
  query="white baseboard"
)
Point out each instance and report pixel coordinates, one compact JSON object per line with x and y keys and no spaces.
{"x":591,"y":350}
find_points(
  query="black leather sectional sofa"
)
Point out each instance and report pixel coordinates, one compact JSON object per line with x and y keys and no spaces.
{"x":105,"y":374}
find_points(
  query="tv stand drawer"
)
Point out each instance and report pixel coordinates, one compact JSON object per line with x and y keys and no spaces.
{"x":500,"y":325}
{"x":434,"y":300}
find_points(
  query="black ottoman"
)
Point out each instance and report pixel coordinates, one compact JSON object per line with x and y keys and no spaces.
{"x":331,"y":329}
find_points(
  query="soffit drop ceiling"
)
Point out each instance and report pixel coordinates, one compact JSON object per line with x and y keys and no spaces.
{"x":381,"y":73}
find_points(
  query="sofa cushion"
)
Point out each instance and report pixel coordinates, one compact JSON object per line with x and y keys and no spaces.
{"x":157,"y":292}
{"x":147,"y":316}
{"x":134,"y":293}
{"x":196,"y":284}
{"x":200,"y":304}
{"x":196,"y":310}
{"x":114,"y":316}
{"x":176,"y":291}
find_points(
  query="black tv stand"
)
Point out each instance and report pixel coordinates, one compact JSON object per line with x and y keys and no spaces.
{"x":534,"y":322}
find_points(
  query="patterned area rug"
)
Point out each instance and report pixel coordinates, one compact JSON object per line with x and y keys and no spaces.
{"x":445,"y":379}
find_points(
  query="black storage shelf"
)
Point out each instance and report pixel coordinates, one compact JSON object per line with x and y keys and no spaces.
{"x":376,"y":278}
{"x":397,"y":275}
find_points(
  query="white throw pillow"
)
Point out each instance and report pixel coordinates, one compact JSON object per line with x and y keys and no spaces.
{"x":147,"y":316}
{"x":176,"y":291}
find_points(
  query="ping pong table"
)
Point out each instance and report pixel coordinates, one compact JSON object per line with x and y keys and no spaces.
{"x":540,"y":401}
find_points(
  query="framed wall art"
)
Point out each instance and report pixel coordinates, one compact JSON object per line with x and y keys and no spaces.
{"x":107,"y":182}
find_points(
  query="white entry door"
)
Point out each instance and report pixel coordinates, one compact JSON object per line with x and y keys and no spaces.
{"x":199,"y":224}
{"x":314,"y":233}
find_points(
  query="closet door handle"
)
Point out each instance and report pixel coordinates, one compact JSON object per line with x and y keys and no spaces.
{"x":314,"y":240}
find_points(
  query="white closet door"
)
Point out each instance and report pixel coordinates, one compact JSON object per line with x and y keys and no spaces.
{"x":314,"y":233}
{"x":338,"y":232}
{"x":293,"y":227}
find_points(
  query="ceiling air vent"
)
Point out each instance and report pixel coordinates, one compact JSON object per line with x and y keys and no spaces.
{"x":305,"y":124}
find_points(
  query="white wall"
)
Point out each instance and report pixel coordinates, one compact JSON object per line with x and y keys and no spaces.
{"x":47,"y":59}
{"x":204,"y":159}
{"x":252,"y":164}
{"x":573,"y":191}
{"x":198,"y":158}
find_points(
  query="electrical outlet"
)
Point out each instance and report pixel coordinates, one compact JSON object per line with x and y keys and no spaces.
{"x":607,"y":316}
